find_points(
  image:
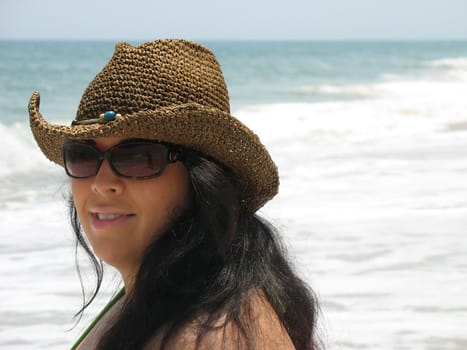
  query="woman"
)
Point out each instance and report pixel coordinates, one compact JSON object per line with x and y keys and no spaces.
{"x":165,"y":185}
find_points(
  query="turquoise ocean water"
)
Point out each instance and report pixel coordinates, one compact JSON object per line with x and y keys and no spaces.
{"x":371,"y":143}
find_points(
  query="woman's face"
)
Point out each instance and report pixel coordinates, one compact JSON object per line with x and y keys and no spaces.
{"x":121,"y":217}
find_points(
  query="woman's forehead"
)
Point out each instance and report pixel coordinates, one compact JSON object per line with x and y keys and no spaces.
{"x":106,"y":142}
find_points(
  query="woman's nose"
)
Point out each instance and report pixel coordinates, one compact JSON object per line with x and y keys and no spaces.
{"x":106,"y":181}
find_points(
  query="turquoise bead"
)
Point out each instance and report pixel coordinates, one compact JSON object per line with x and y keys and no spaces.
{"x":110,"y":115}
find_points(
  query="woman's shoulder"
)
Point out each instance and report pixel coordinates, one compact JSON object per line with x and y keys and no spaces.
{"x":91,"y":337}
{"x":267,"y":331}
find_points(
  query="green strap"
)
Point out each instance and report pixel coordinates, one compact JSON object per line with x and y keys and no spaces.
{"x":101,"y":314}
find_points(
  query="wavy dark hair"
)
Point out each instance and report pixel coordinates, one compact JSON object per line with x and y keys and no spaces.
{"x":207,"y":266}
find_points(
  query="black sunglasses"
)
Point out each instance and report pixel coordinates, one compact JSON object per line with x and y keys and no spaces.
{"x":129,"y":159}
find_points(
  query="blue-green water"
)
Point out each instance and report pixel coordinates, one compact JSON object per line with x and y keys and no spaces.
{"x":370,"y":139}
{"x":256,"y":72}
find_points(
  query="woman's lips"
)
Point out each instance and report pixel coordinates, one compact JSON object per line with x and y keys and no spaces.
{"x":107,"y":221}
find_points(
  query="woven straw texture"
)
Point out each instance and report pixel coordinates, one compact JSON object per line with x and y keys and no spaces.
{"x":172,"y":91}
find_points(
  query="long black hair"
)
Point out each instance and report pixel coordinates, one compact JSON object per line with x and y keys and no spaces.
{"x":207,"y":266}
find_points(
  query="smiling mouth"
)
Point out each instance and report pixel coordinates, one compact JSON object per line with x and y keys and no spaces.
{"x":101,"y":221}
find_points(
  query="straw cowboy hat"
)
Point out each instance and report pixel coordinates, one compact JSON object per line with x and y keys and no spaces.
{"x":171,"y":91}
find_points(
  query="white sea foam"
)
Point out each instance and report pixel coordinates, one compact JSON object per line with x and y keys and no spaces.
{"x":403,"y":108}
{"x":26,"y":176}
{"x":376,"y":209}
{"x":454,"y":69}
{"x":442,"y":99}
{"x":359,"y":90}
{"x":456,"y":63}
{"x":17,"y":153}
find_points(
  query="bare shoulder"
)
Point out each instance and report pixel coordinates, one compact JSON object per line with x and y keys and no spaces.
{"x":266,"y":329}
{"x":92,"y":339}
{"x":271,"y":333}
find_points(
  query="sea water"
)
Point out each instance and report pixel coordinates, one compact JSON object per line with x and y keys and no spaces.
{"x":371,"y":143}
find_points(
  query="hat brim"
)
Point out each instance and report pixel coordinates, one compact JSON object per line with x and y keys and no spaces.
{"x":206,"y":130}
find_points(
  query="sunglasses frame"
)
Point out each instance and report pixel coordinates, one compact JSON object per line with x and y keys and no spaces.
{"x":172,"y":155}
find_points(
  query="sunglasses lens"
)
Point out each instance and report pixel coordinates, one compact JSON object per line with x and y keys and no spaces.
{"x":81,"y":160}
{"x":139,"y":160}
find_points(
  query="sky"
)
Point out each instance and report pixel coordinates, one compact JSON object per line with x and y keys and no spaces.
{"x":234,"y":19}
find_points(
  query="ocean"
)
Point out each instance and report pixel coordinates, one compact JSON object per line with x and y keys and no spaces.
{"x":371,"y":143}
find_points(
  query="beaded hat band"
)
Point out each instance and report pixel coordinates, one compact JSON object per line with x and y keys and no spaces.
{"x":171,"y":91}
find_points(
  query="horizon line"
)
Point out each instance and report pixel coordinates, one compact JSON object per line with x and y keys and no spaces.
{"x":241,"y":39}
